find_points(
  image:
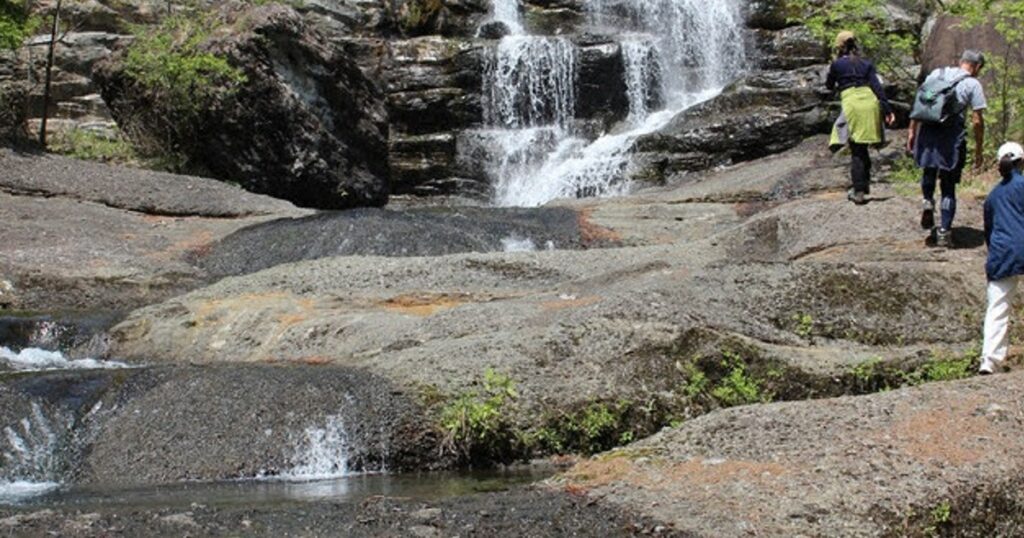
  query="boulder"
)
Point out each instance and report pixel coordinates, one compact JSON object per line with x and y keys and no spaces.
{"x":307,"y":126}
{"x":948,"y":38}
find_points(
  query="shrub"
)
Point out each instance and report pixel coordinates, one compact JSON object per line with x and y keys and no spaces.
{"x":477,"y":425}
{"x":92,"y":146}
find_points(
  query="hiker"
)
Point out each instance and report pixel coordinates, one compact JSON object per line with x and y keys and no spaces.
{"x":1004,"y":235}
{"x":863,"y":102}
{"x":940,"y":147}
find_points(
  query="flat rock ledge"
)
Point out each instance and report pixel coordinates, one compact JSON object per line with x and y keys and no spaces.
{"x":943,"y":459}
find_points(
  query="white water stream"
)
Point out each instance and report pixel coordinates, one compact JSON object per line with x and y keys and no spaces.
{"x":30,"y":452}
{"x":34,"y":360}
{"x":676,"y":52}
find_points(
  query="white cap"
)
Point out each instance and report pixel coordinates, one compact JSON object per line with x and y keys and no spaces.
{"x":1011,"y":150}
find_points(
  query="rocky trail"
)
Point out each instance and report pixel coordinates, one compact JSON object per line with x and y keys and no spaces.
{"x":753,"y":284}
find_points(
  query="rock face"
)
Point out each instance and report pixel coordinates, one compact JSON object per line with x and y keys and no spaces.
{"x":942,"y":458}
{"x":765,"y":263}
{"x":307,"y":125}
{"x":761,"y":114}
{"x":114,"y":238}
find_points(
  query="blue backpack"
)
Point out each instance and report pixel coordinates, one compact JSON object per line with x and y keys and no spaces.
{"x":936,"y":101}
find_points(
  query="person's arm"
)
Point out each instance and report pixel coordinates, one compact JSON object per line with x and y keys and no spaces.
{"x":830,"y":80}
{"x":978,"y":122}
{"x":876,"y":86}
{"x":911,"y":136}
{"x":988,"y":222}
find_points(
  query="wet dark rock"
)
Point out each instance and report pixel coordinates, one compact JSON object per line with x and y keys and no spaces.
{"x":761,"y":114}
{"x":373,"y":232}
{"x":307,"y":126}
{"x":254,"y":422}
{"x":789,"y":48}
{"x":493,"y":30}
{"x":53,"y":332}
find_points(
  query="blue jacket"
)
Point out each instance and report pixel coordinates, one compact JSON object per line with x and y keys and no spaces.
{"x":1004,"y":228}
{"x":850,"y":71}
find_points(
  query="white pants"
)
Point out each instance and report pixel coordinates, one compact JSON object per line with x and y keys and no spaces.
{"x":997,"y":319}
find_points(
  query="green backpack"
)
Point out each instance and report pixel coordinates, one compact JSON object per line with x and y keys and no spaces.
{"x":936,"y":101}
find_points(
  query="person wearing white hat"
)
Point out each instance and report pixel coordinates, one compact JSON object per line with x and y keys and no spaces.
{"x":1004,"y":235}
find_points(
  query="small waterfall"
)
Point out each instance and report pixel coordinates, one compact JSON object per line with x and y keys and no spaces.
{"x":323,"y":454}
{"x":676,"y":53}
{"x":640,"y":62}
{"x":529,"y":82}
{"x":31,"y":456}
{"x":507,"y":11}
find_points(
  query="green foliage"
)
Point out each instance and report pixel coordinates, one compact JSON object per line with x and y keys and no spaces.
{"x":1005,"y":113}
{"x":15,"y":24}
{"x":417,"y":14}
{"x":804,"y":325}
{"x":869,"y":20}
{"x":477,"y":423}
{"x":91,"y":146}
{"x":738,"y":388}
{"x":941,"y":516}
{"x":168,"y":61}
{"x":597,"y":427}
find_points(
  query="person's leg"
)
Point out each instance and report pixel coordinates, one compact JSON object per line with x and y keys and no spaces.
{"x":860,"y":168}
{"x":997,"y":317}
{"x":947,"y":186}
{"x":928,"y":180}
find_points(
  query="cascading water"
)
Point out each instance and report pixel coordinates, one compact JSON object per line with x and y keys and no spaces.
{"x":31,"y":449}
{"x":675,"y":52}
{"x":323,"y":454}
{"x":507,"y":11}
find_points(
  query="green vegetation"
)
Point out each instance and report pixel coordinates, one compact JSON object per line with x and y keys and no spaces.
{"x":1005,"y":113}
{"x":874,"y":375}
{"x":872,"y":24}
{"x":168,"y":61}
{"x":597,"y":427}
{"x":15,"y":24}
{"x":91,"y":146}
{"x":941,"y":517}
{"x":804,"y":325}
{"x":738,"y":387}
{"x":477,"y":423}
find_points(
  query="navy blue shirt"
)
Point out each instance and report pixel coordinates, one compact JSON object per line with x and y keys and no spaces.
{"x":851,"y":71}
{"x":1004,"y":228}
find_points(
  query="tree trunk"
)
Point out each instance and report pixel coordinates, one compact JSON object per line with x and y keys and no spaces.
{"x":49,"y":73}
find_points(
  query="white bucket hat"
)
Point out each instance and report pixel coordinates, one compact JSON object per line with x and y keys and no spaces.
{"x":1012,"y":151}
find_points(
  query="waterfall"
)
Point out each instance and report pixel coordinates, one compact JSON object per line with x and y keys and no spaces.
{"x":675,"y":53}
{"x":323,"y":454}
{"x":530,"y":81}
{"x":507,"y":11}
{"x":640,"y":63}
{"x":31,"y":456}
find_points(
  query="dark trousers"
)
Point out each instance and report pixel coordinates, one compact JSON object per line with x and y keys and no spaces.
{"x":860,"y":167}
{"x":947,"y":180}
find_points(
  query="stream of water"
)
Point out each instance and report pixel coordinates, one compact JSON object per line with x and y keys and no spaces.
{"x":675,"y":54}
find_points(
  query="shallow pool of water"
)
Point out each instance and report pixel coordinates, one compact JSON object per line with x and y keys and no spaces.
{"x":425,"y":486}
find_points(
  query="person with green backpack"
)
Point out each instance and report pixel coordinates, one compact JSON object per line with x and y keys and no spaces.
{"x":938,"y":136}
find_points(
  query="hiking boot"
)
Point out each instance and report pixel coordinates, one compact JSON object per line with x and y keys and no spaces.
{"x":856,"y":197}
{"x":928,"y":215}
{"x":944,"y":239}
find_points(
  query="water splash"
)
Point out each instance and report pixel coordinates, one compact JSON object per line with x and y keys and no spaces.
{"x":31,"y":456}
{"x":324,"y":453}
{"x":34,"y":360}
{"x":530,"y":81}
{"x":515,"y":243}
